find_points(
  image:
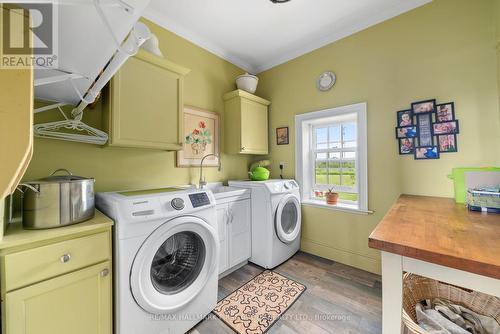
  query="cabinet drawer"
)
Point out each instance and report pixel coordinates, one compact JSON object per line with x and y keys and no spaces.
{"x":37,"y":264}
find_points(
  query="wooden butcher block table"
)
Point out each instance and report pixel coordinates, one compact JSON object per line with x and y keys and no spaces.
{"x":436,"y":238}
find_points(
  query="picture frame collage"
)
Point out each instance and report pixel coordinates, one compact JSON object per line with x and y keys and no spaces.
{"x":427,"y":130}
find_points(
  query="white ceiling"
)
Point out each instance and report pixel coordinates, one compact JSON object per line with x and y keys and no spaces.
{"x":257,"y":35}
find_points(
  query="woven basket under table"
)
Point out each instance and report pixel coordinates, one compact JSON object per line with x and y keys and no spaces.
{"x":417,"y":288}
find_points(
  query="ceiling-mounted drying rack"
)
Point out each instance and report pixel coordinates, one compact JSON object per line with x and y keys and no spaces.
{"x":75,"y":81}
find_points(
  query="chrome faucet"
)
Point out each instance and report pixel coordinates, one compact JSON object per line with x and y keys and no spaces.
{"x":202,"y":183}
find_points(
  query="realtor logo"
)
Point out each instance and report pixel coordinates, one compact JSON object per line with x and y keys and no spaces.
{"x":28,"y":35}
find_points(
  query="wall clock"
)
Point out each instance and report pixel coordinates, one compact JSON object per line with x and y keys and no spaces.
{"x":326,"y":81}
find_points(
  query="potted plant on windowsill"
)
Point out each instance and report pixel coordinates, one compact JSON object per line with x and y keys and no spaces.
{"x":331,"y":197}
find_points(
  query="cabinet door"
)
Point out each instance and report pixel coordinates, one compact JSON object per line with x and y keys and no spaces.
{"x":76,"y":303}
{"x":146,"y":104}
{"x":222,"y":219}
{"x":254,"y":131}
{"x":239,"y":232}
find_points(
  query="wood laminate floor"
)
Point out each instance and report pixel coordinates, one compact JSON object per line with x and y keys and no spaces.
{"x":339,"y":299}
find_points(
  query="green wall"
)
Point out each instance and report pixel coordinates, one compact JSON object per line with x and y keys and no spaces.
{"x":498,"y":44}
{"x":2,"y":219}
{"x":118,"y":168}
{"x":443,"y":50}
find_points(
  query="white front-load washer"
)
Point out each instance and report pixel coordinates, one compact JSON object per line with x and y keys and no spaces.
{"x":276,"y":220}
{"x":166,"y":254}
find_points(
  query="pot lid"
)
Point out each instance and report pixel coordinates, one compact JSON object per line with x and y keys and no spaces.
{"x":64,"y":178}
{"x":69,"y":177}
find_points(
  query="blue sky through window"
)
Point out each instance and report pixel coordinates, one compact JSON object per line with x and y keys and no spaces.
{"x":334,"y":132}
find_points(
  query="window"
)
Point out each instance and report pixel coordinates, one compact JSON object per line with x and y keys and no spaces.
{"x":331,"y":154}
{"x":334,"y":148}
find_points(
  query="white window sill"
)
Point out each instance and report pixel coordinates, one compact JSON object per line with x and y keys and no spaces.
{"x":344,"y":207}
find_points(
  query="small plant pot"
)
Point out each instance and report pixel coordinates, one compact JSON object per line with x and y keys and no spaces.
{"x":331,"y":198}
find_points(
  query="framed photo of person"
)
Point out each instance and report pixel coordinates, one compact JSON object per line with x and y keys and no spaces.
{"x":406,"y":146}
{"x":423,"y":107}
{"x":405,"y":118}
{"x":426,"y":153}
{"x":445,"y":128}
{"x":406,"y":132}
{"x":447,"y":143}
{"x":282,"y":136}
{"x":445,"y":112}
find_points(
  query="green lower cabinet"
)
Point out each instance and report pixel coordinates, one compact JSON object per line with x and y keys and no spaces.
{"x":78,"y":303}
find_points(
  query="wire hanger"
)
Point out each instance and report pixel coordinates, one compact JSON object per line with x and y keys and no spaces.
{"x":51,"y":130}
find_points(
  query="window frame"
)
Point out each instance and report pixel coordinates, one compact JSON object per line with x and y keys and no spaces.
{"x":305,"y":161}
{"x":313,"y":151}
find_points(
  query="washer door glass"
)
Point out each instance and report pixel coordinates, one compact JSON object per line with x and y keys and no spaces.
{"x":178,"y":262}
{"x":288,"y":219}
{"x":174,"y":264}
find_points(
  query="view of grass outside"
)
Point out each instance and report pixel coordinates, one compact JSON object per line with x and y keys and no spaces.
{"x":348,"y":197}
{"x":335,"y":159}
{"x":336,"y":173}
{"x":333,"y":177}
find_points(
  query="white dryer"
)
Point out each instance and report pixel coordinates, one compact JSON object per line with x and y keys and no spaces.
{"x":166,"y":254}
{"x":276,"y":220}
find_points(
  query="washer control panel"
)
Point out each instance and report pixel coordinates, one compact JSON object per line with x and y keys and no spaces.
{"x":199,"y":199}
{"x":177,"y":203}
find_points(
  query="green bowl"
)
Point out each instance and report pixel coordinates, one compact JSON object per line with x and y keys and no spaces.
{"x":259,"y":174}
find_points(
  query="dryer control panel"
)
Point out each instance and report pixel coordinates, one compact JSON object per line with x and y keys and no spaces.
{"x":282,"y":186}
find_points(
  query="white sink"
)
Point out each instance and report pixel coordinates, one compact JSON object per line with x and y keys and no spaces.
{"x":220,"y":191}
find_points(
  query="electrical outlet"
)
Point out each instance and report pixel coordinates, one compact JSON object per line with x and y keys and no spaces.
{"x":282,"y":165}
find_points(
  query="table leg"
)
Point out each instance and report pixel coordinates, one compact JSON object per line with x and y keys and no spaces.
{"x":392,"y":293}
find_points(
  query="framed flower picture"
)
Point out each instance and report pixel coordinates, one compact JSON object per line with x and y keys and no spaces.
{"x":200,"y":137}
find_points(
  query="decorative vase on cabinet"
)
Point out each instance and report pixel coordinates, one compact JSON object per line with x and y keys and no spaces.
{"x":246,"y":124}
{"x":145,"y":103}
